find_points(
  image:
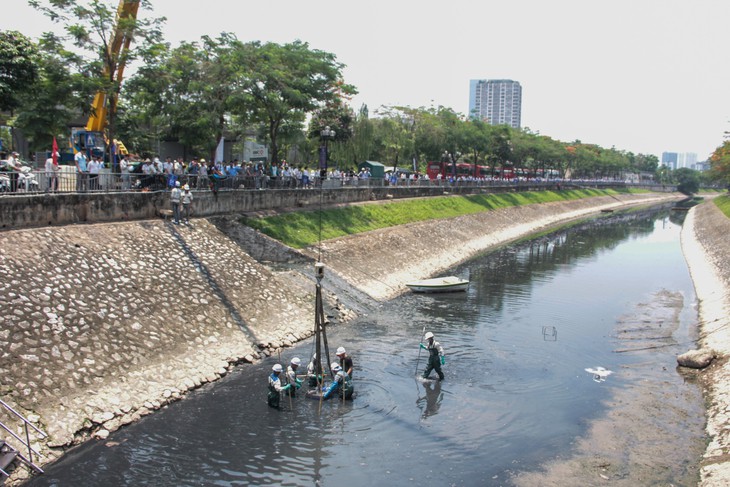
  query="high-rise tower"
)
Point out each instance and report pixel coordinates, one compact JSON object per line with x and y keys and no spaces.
{"x":496,"y":101}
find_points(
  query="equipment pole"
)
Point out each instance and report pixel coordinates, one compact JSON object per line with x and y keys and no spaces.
{"x":287,"y":381}
{"x":423,"y":333}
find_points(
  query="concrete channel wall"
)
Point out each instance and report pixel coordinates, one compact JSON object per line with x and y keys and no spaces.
{"x":103,"y":323}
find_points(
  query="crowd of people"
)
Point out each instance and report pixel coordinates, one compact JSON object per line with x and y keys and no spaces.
{"x":91,"y":173}
{"x":289,"y":383}
{"x":200,"y":174}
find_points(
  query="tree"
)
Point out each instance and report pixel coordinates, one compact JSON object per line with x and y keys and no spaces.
{"x":18,"y":68}
{"x":393,"y":135}
{"x":720,"y":162}
{"x":688,"y":180}
{"x":101,"y":33}
{"x":337,"y":115}
{"x":285,"y":82}
{"x":360,"y":146}
{"x":187,"y":94}
{"x":57,"y":96}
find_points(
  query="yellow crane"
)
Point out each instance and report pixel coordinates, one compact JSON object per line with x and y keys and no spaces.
{"x":92,"y":138}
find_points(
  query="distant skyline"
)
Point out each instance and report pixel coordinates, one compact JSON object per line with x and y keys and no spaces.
{"x":646,"y":76}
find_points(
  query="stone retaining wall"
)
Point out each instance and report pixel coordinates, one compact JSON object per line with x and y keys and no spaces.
{"x":101,"y":324}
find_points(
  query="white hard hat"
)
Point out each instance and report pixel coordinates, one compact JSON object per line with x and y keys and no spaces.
{"x":340,"y":350}
{"x":428,"y":335}
{"x":276,"y":368}
{"x":296,"y":361}
{"x":335,"y":367}
{"x":177,"y":184}
{"x":187,"y":187}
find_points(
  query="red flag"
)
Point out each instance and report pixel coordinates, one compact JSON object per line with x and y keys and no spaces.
{"x":54,"y":150}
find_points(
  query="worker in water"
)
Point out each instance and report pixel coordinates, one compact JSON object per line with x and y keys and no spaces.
{"x":341,"y":381}
{"x":345,"y":361}
{"x":435,"y":356}
{"x":291,"y":375}
{"x":275,"y":387}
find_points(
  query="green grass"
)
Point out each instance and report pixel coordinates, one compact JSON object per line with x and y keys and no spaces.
{"x":723,"y":202}
{"x":301,"y":229}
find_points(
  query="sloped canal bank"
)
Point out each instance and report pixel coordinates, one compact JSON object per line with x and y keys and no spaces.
{"x":514,"y":400}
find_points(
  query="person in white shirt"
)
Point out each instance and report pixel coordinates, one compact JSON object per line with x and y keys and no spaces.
{"x":52,"y":171}
{"x":124,"y":168}
{"x":94,"y":168}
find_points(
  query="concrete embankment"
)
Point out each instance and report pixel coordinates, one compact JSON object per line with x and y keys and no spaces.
{"x":706,"y":248}
{"x":101,"y":324}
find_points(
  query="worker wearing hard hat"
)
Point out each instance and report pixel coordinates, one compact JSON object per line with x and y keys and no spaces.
{"x":435,"y":356}
{"x":340,"y":385}
{"x":275,"y":387}
{"x":345,"y":361}
{"x":291,"y":375}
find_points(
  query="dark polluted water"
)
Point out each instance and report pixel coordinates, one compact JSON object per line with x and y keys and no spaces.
{"x":516,"y":393}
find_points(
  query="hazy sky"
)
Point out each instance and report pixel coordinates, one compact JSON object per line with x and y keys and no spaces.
{"x":646,"y":76}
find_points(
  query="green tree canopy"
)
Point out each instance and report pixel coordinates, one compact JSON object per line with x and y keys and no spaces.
{"x":688,"y":180}
{"x":19,"y":64}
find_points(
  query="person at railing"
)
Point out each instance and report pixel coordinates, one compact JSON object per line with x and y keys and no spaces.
{"x":287,"y":176}
{"x":148,"y":170}
{"x":124,"y":168}
{"x":203,"y":180}
{"x":216,"y":177}
{"x":178,"y":168}
{"x":12,"y":167}
{"x":167,"y":167}
{"x":157,"y":166}
{"x":95,"y":165}
{"x":52,"y":171}
{"x":193,"y":168}
{"x":82,"y":172}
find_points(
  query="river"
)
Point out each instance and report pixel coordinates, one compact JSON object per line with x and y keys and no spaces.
{"x":516,"y":396}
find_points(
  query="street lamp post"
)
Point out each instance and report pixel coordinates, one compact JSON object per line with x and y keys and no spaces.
{"x":326,"y":134}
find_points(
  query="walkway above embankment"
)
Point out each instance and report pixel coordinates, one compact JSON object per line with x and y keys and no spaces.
{"x":24,"y":210}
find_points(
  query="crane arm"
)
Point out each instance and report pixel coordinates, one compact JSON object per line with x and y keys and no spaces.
{"x":114,"y":68}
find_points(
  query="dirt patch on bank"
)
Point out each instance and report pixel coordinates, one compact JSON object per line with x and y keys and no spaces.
{"x":636,"y":443}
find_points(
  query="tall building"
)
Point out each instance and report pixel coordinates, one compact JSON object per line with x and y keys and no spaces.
{"x":677,"y":160}
{"x":496,"y":101}
{"x":669,"y":159}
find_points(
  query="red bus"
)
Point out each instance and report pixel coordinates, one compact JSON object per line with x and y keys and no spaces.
{"x":446,"y":169}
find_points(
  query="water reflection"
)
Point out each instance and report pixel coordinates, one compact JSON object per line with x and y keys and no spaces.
{"x":431,"y":400}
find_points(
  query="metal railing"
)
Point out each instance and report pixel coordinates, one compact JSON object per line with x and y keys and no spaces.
{"x":28,"y":426}
{"x":67,"y":180}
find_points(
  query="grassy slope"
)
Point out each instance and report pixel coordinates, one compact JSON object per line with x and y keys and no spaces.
{"x":300,"y":229}
{"x":723,"y":202}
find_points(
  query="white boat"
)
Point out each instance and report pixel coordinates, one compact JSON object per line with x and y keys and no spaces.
{"x":439,"y":285}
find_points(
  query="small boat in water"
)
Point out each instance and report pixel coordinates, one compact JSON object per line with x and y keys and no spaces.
{"x":439,"y":285}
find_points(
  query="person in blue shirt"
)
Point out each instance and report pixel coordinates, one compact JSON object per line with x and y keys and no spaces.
{"x":340,"y":381}
{"x":82,"y":171}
